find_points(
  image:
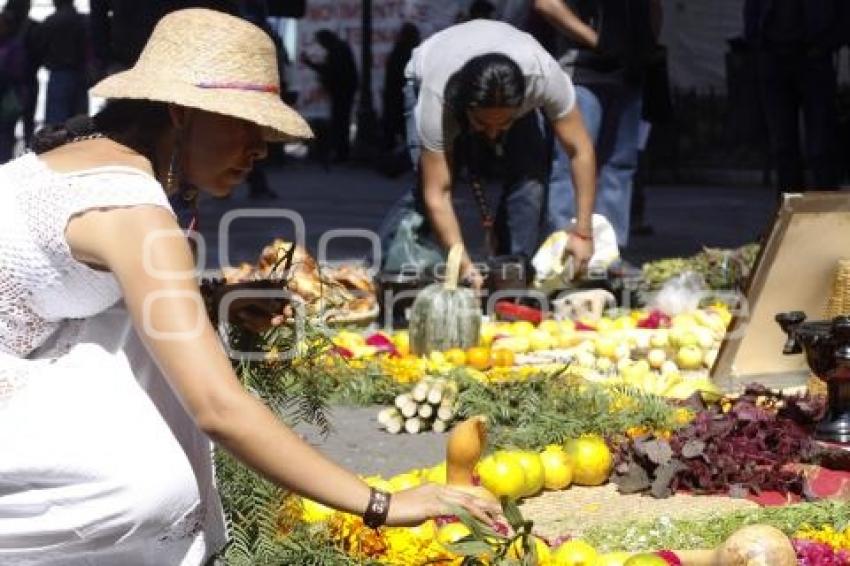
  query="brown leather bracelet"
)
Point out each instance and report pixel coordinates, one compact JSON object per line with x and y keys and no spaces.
{"x":377,"y":509}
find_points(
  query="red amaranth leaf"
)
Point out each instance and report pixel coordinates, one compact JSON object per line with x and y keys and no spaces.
{"x":383,"y":344}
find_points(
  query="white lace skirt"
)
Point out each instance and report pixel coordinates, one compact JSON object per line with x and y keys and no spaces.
{"x":99,"y":465}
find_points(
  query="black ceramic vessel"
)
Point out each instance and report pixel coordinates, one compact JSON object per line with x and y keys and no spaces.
{"x":826,"y":344}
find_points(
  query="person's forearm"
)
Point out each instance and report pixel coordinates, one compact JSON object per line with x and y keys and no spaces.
{"x":557,"y":13}
{"x":583,"y":170}
{"x":249,"y":430}
{"x":444,"y":222}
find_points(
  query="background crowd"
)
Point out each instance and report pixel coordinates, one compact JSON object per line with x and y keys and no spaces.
{"x":787,"y":51}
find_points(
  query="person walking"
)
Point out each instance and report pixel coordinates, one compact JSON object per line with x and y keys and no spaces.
{"x":338,"y":75}
{"x":62,"y":43}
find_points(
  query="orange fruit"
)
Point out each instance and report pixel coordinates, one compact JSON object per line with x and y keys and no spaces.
{"x":455,"y":356}
{"x":478,"y":357}
{"x":502,"y":357}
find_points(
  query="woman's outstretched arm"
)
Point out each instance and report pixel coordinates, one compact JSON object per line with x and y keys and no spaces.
{"x":146,"y":251}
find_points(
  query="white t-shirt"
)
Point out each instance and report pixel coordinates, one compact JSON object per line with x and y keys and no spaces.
{"x":439,"y":57}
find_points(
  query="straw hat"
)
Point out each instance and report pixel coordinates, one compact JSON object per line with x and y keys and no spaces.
{"x":215,"y":62}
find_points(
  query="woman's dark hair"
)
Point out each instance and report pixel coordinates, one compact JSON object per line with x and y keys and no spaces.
{"x":137,"y":124}
{"x":491,"y":80}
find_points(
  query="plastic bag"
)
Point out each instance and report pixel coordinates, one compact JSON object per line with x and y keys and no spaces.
{"x":679,"y":294}
{"x":554,"y":270}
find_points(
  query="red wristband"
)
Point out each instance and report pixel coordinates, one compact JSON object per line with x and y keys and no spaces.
{"x":580,"y":236}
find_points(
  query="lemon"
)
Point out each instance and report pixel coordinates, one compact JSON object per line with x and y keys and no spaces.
{"x":575,"y":552}
{"x":689,"y":357}
{"x":313,"y":512}
{"x":452,"y":533}
{"x":613,"y":559}
{"x":521,"y":328}
{"x":542,"y":549}
{"x":590,"y":459}
{"x":645,"y":559}
{"x":534,"y":472}
{"x":557,"y":472}
{"x":502,"y":475}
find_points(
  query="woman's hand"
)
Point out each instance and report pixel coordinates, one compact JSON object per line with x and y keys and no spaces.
{"x":429,"y":500}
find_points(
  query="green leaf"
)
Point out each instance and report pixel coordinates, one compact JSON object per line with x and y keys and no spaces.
{"x":512,"y":513}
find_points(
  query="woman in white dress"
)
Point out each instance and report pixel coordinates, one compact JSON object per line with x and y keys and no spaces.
{"x":106,"y":411}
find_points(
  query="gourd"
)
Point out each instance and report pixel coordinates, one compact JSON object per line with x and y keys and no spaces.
{"x":463,"y":450}
{"x":444,"y":316}
{"x":753,"y":545}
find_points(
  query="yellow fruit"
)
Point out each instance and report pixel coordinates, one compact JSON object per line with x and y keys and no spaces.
{"x":550,"y":326}
{"x":478,"y":357}
{"x":502,"y":475}
{"x":542,"y":550}
{"x":401,"y":341}
{"x":522,"y":328}
{"x":313,"y":512}
{"x":689,"y":357}
{"x":656,"y":357}
{"x":541,"y":340}
{"x":625,"y":323}
{"x":455,"y":356}
{"x":648,"y":559}
{"x":404,"y":481}
{"x":502,"y":357}
{"x":568,"y":339}
{"x":575,"y":552}
{"x":437,"y":474}
{"x":557,"y":472}
{"x":606,"y":347}
{"x":452,"y":533}
{"x":567,"y":325}
{"x":533,"y":468}
{"x":613,"y":559}
{"x":516,"y":344}
{"x":659,"y":339}
{"x":590,"y":459}
{"x":604,"y":324}
{"x":488,"y":332}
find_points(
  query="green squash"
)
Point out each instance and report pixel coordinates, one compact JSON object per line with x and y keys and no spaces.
{"x":444,"y":316}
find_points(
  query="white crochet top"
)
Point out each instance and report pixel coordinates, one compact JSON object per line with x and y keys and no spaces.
{"x":41,"y":284}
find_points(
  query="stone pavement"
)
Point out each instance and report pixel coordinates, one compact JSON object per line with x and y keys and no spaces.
{"x":683,"y":217}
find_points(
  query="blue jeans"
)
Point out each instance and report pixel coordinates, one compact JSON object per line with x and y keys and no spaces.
{"x":611,"y":115}
{"x":521,"y":168}
{"x":66,"y":96}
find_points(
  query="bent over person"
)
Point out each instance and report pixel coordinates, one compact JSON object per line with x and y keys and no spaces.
{"x":479,"y":97}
